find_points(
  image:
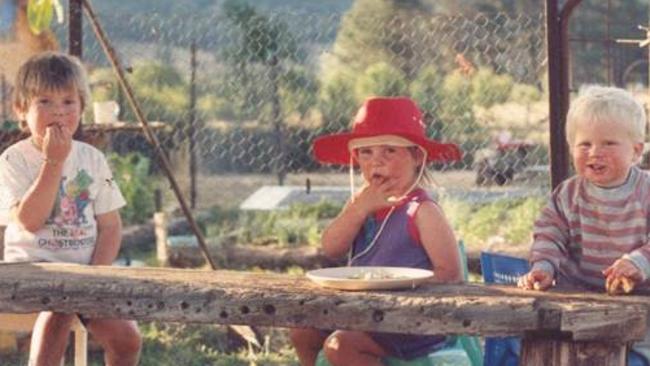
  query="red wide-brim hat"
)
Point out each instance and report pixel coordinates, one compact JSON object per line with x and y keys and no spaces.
{"x":398,"y":116}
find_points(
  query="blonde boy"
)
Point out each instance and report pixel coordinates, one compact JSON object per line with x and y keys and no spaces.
{"x":593,"y":233}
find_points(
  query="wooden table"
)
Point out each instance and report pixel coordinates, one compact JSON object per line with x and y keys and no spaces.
{"x":558,"y":328}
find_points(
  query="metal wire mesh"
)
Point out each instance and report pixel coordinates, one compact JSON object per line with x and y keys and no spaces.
{"x":267,"y":83}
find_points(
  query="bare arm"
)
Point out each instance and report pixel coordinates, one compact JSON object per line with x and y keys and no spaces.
{"x":439,"y":241}
{"x":36,"y":206}
{"x":339,"y":235}
{"x":109,"y":238}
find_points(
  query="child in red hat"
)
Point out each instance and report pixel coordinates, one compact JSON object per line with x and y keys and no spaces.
{"x":390,"y":222}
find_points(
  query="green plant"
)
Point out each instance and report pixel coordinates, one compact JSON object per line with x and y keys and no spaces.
{"x":489,"y":88}
{"x":381,"y":79}
{"x":486,"y":221}
{"x":510,"y":219}
{"x":298,"y":225}
{"x":520,"y":220}
{"x":40,"y":13}
{"x":131,"y":172}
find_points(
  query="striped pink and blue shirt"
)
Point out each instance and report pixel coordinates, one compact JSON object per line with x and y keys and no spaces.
{"x":585,"y":228}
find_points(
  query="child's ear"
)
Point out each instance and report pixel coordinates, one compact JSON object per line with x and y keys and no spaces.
{"x":19,"y":112}
{"x":638,"y":151}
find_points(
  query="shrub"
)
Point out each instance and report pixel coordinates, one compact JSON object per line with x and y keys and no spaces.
{"x":489,"y":88}
{"x":299,"y":225}
{"x":510,"y":219}
{"x":520,"y":220}
{"x":381,"y":79}
{"x":131,"y":172}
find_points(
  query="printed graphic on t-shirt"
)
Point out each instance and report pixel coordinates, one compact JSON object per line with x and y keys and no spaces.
{"x":70,"y":228}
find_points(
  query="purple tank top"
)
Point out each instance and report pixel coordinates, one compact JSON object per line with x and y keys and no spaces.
{"x":396,"y":246}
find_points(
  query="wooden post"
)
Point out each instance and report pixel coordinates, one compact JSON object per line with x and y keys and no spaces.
{"x":2,"y":242}
{"x":75,"y":28}
{"x":5,"y":97}
{"x":552,"y":352}
{"x":160,"y":230}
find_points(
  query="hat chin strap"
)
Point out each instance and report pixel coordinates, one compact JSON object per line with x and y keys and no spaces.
{"x":390,"y":199}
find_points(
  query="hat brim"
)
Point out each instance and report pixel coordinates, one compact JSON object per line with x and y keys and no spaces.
{"x":333,"y":149}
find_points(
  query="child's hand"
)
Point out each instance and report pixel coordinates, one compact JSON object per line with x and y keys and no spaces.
{"x":621,"y":277}
{"x":57,"y":142}
{"x":373,"y":197}
{"x":536,"y":280}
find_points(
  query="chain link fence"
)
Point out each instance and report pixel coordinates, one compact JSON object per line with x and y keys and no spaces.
{"x":264,"y":84}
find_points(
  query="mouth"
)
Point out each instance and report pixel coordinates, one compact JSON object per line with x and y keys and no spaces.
{"x":377,"y":178}
{"x":597,"y":168}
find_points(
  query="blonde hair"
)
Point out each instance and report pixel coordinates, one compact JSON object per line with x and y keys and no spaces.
{"x":49,"y":71}
{"x":596,"y":103}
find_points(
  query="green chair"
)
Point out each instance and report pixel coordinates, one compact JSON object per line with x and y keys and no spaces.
{"x":453,"y":355}
{"x":461,"y":351}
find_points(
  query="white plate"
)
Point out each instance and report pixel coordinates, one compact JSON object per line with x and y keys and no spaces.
{"x":369,"y":278}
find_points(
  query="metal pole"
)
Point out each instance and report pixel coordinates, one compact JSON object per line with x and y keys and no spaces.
{"x":151,"y":137}
{"x":557,"y":28}
{"x":608,"y":43}
{"x":557,"y":153}
{"x":276,"y":116}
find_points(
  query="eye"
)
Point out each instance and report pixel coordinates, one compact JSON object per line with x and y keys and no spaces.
{"x":42,"y":101}
{"x":364,"y":152}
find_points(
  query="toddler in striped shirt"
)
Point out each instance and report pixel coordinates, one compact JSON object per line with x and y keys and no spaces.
{"x":593,"y":232}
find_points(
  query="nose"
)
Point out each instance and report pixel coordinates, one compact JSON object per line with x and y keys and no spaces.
{"x":377,"y":157}
{"x":59,"y":109}
{"x":595,"y":150}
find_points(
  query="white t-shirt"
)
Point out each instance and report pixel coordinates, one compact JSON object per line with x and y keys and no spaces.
{"x":87,"y":189}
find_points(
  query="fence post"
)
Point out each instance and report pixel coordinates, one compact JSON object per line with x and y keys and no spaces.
{"x":191,"y":130}
{"x":276,"y":116}
{"x":75,"y":28}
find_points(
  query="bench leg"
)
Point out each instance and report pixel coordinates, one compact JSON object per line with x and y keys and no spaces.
{"x":550,"y":352}
{"x":80,"y":343}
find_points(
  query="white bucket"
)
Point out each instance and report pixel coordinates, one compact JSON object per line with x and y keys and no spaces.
{"x":106,"y":112}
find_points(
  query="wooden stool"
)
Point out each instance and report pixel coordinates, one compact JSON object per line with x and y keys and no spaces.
{"x":25,"y":323}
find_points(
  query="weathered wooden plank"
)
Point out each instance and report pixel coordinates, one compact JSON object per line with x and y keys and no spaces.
{"x":228,"y":297}
{"x":591,"y":320}
{"x":550,"y":352}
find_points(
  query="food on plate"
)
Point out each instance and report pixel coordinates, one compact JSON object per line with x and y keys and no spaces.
{"x":375,"y":274}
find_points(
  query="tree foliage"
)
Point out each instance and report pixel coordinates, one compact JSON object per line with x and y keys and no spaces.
{"x":337,"y":102}
{"x":381,"y":79}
